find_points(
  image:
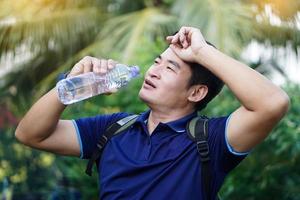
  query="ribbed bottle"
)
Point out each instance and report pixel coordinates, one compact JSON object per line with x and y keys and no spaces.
{"x":83,"y":86}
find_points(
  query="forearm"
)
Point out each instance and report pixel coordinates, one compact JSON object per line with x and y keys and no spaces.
{"x":41,"y":120}
{"x":253,"y":90}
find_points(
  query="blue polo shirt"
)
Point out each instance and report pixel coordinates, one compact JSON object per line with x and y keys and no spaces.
{"x":163,"y":165}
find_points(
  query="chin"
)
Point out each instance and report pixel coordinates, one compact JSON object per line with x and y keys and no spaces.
{"x":145,"y":97}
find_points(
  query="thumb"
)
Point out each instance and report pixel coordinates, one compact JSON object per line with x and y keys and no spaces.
{"x":112,"y":91}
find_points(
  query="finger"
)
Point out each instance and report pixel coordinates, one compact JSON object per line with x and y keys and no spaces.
{"x":185,"y":43}
{"x":87,"y":66}
{"x":77,"y":69}
{"x":189,"y":37}
{"x":103,"y":64}
{"x":185,"y":30}
{"x":175,"y":38}
{"x":114,"y":90}
{"x":95,"y":64}
{"x":188,"y":33}
{"x":184,"y":34}
{"x":111,"y":64}
{"x":183,"y":38}
{"x":169,"y":38}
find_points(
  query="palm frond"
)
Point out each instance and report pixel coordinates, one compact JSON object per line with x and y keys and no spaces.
{"x":278,"y":36}
{"x":123,"y":33}
{"x":49,"y":32}
{"x":227,"y":25}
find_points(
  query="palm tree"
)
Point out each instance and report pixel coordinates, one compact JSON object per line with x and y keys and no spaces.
{"x":39,"y":35}
{"x":68,"y":30}
{"x":220,"y":21}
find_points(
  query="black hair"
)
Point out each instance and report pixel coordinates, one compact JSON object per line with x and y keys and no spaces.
{"x":201,"y":75}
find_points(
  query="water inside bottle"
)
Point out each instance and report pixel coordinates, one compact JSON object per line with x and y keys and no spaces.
{"x":114,"y":80}
{"x":89,"y":84}
{"x":76,"y":90}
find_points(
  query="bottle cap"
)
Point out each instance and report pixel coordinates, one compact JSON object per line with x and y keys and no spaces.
{"x":135,"y":71}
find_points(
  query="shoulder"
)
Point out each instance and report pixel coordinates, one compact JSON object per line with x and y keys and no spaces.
{"x":218,"y":123}
{"x":225,"y":158}
{"x":102,"y":120}
{"x":110,"y":116}
{"x":217,"y":128}
{"x":215,"y":124}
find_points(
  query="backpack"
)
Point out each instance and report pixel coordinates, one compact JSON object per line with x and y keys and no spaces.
{"x":197,"y":130}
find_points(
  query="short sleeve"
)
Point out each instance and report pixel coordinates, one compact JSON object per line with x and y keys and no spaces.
{"x":223,"y":155}
{"x":90,"y":129}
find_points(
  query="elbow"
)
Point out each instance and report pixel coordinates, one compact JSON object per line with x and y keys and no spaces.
{"x":279,"y":105}
{"x":283,"y":103}
{"x":27,"y":136}
{"x":21,"y":136}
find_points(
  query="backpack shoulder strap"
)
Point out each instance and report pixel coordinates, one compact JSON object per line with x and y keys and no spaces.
{"x":198,"y":132}
{"x":114,"y":129}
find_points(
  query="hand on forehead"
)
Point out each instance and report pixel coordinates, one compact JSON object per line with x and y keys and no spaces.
{"x":169,"y":54}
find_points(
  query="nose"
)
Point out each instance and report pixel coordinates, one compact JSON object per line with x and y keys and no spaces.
{"x":154,"y":72}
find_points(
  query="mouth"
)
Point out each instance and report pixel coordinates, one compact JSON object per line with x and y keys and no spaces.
{"x":149,"y":83}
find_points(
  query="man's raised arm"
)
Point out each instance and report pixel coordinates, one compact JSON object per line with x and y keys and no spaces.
{"x":42,"y":127}
{"x":263,"y":104}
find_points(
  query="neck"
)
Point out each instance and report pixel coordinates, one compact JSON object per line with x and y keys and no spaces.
{"x":156,"y":116}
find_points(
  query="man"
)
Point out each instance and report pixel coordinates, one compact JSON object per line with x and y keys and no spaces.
{"x":154,"y":159}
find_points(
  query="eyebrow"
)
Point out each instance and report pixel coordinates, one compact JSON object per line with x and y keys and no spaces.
{"x":171,"y":61}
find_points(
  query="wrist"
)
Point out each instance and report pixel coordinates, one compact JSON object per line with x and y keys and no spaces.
{"x":55,"y":97}
{"x":205,"y":55}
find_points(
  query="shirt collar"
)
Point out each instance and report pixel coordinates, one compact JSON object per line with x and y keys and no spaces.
{"x":178,"y":125}
{"x":143,"y":117}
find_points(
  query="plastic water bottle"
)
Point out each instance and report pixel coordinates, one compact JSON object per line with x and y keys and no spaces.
{"x":83,"y":86}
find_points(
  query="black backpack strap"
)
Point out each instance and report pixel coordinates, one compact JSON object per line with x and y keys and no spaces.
{"x":198,"y":132}
{"x":112,"y":130}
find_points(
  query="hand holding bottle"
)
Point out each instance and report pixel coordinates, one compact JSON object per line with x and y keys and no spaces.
{"x":92,"y":64}
{"x":92,"y":76}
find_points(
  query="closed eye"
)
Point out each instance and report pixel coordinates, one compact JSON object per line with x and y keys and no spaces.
{"x":170,"y":68}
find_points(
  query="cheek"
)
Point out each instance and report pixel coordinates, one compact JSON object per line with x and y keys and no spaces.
{"x":176,"y":89}
{"x":177,"y":83}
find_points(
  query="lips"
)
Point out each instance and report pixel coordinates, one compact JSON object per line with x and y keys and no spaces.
{"x":149,"y":83}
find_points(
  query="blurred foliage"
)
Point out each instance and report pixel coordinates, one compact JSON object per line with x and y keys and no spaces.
{"x":271,"y":170}
{"x":25,"y":169}
{"x":46,"y":37}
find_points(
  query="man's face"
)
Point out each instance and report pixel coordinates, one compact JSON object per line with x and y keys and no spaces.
{"x":166,"y":81}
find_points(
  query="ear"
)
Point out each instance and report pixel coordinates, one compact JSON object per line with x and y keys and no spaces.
{"x":197,"y":93}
